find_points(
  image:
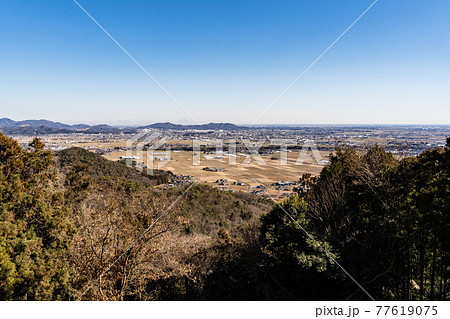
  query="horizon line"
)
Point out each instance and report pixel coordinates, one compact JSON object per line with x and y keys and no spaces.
{"x":128,"y":123}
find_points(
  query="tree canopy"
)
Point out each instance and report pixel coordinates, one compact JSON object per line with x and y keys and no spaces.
{"x":64,"y":220}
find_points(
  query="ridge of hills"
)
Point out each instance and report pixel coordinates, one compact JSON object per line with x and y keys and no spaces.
{"x":101,"y":167}
{"x":209,"y":126}
{"x":42,"y":126}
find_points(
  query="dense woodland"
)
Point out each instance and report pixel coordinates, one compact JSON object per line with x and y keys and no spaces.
{"x":65,"y":218}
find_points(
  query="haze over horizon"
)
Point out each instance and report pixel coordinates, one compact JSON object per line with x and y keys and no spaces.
{"x":226,"y":62}
{"x":185,"y":122}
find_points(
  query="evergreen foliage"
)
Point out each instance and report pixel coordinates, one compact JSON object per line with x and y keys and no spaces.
{"x":64,"y":220}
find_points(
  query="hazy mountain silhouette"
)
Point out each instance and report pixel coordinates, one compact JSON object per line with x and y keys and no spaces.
{"x":210,"y":126}
{"x":42,"y":126}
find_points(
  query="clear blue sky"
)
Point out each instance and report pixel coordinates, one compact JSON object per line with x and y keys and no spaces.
{"x":226,"y":61}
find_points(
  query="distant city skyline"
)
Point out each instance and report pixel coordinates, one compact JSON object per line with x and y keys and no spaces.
{"x":226,"y":62}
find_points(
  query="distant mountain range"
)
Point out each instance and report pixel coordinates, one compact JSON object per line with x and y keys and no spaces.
{"x":32,"y":127}
{"x":39,"y":127}
{"x":210,"y":126}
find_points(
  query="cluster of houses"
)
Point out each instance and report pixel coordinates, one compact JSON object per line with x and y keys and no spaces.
{"x":180,"y":180}
{"x":288,"y":188}
{"x":221,"y":182}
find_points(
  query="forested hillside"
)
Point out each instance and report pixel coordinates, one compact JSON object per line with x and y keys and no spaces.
{"x":67,"y":218}
{"x":386,"y":221}
{"x":101,"y":167}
